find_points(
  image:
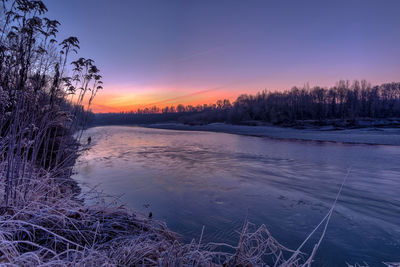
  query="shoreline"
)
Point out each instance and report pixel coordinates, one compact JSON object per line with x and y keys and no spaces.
{"x":366,"y":136}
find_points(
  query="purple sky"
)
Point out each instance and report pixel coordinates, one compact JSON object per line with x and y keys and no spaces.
{"x":159,"y":51}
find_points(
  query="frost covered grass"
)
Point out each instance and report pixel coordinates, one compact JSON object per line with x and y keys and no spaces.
{"x":53,"y":227}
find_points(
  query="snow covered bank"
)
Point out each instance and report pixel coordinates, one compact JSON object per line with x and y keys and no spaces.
{"x":372,"y":136}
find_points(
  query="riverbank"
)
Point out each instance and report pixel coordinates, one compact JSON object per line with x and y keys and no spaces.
{"x":370,"y":136}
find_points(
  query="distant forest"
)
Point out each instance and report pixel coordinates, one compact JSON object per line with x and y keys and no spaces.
{"x":322,"y":106}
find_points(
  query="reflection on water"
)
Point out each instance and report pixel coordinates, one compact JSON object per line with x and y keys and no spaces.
{"x":191,"y":179}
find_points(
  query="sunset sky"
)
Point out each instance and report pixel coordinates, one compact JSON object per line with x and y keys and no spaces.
{"x":193,"y":52}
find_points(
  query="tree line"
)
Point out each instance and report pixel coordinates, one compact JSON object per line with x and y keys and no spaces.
{"x":344,"y":101}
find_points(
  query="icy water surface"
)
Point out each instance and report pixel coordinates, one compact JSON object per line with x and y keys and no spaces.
{"x":191,"y":179}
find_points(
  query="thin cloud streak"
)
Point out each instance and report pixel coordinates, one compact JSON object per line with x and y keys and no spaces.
{"x":199,"y":92}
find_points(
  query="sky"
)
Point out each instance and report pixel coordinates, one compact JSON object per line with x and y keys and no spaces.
{"x":166,"y":52}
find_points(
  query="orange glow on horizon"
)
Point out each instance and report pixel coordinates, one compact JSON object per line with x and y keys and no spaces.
{"x":126,"y":102}
{"x":126,"y":97}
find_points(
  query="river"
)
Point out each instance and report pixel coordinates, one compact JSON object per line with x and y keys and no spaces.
{"x":193,"y":179}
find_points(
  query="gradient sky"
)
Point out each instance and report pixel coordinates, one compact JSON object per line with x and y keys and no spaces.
{"x":191,"y":52}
